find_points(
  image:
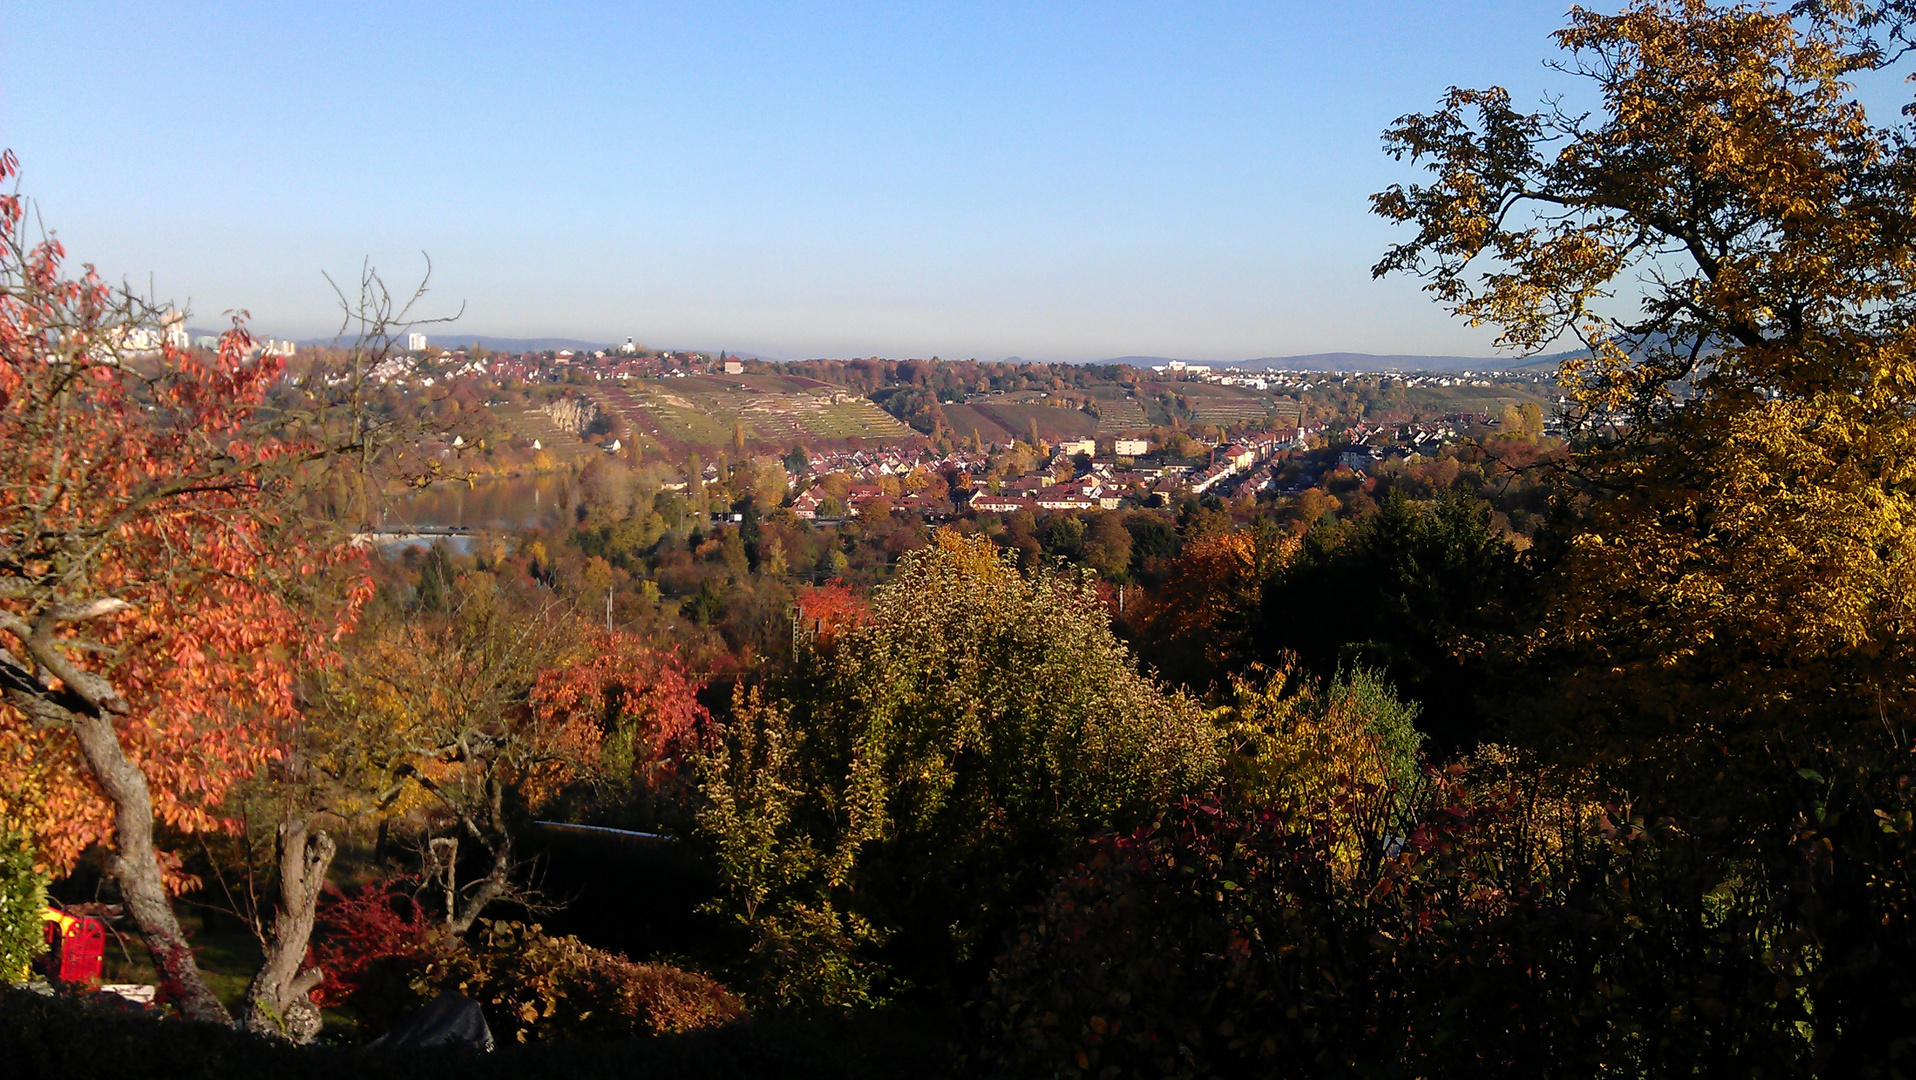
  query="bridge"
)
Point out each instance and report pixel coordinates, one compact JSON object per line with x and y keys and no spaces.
{"x":376,"y":536}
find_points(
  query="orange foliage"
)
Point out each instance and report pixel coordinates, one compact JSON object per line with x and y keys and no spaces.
{"x":170,"y":513}
{"x":1215,"y":581}
{"x":832,"y":608}
{"x":622,"y":695}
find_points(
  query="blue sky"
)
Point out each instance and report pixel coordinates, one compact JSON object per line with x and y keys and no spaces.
{"x":1060,"y":182}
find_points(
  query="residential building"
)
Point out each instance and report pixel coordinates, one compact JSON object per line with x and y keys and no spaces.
{"x":999,"y":504}
{"x":1064,"y":498}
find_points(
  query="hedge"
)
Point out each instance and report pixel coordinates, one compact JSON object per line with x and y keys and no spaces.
{"x":58,"y":1037}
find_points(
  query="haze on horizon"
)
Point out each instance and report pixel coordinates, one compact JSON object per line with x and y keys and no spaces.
{"x":1059,"y":182}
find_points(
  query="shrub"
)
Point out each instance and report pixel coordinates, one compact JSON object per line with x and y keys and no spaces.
{"x":371,"y":942}
{"x":23,"y":893}
{"x":1513,"y":932}
{"x":535,"y":987}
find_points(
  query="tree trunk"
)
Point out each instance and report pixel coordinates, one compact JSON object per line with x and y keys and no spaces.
{"x":277,"y":1003}
{"x":135,"y":866}
{"x":496,"y":883}
{"x":498,"y":879}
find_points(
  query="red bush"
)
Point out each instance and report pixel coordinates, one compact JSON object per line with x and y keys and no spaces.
{"x":359,"y":935}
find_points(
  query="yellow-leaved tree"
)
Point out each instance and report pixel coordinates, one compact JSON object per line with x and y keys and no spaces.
{"x":1726,"y":236}
{"x":1731,"y":237}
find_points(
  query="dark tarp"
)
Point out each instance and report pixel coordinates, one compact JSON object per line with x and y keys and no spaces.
{"x":451,"y":1019}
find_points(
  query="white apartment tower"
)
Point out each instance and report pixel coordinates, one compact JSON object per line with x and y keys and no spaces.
{"x":415,"y":342}
{"x":173,"y":328}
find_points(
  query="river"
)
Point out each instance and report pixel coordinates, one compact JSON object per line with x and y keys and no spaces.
{"x":510,"y":503}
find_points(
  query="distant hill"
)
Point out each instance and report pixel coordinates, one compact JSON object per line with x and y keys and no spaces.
{"x":1346,"y":361}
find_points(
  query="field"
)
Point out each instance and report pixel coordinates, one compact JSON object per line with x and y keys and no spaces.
{"x":1002,"y":419}
{"x":1122,"y":415}
{"x":706,"y":410}
{"x":1220,"y":405}
{"x":1475,"y":399}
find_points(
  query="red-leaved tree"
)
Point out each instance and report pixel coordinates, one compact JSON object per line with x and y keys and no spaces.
{"x":150,"y":621}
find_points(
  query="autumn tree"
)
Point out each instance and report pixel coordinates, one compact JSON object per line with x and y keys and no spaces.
{"x":881,"y":816}
{"x":1728,"y":235}
{"x":1745,"y":424}
{"x":150,"y":579}
{"x":479,"y":716}
{"x":1205,"y":619}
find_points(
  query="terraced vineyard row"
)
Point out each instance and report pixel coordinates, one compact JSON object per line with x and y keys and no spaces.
{"x":1121,"y":415}
{"x":532,"y":424}
{"x":1252,"y":410}
{"x":704,"y":415}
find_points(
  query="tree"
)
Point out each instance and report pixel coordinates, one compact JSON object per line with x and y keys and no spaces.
{"x":430,"y":714}
{"x":927,"y":766}
{"x":1107,"y":548}
{"x":149,"y":575}
{"x":1412,"y":591}
{"x":1745,"y":429}
{"x":487,"y":713}
{"x":1205,"y":620}
{"x":1730,"y":237}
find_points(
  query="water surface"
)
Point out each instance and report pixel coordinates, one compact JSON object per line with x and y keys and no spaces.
{"x":510,"y":503}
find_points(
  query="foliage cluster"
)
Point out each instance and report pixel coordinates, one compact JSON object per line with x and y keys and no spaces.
{"x":536,"y":987}
{"x":921,"y":771}
{"x":23,"y":895}
{"x":1512,"y":931}
{"x":370,"y":941}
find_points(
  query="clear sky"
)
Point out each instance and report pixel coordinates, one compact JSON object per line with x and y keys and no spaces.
{"x":1055,"y":181}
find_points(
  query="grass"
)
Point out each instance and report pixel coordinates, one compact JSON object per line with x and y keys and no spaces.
{"x":1000,"y":419}
{"x":228,"y":956}
{"x":530,"y":423}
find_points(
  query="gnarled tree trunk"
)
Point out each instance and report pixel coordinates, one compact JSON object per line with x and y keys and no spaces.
{"x":135,"y":866}
{"x":277,"y":1002}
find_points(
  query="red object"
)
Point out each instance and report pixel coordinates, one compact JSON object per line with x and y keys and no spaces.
{"x":76,"y":949}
